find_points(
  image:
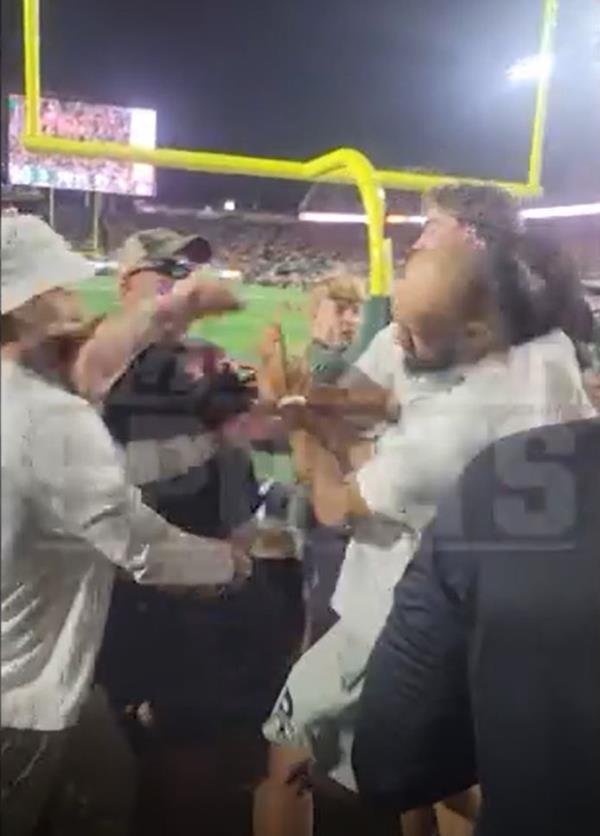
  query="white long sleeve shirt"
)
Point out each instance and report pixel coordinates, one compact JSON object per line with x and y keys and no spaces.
{"x":69,"y":517}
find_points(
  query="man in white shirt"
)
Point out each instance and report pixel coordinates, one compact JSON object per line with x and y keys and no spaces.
{"x":478,"y":217}
{"x":69,"y":519}
{"x":457,"y":309}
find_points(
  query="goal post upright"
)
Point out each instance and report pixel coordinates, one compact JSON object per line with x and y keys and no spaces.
{"x":345,"y":165}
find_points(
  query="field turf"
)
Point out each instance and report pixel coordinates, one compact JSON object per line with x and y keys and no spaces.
{"x":239,"y":333}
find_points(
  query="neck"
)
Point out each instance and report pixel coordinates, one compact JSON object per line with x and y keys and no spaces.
{"x":49,"y":361}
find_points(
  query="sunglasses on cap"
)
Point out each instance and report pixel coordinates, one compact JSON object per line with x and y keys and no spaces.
{"x":171,"y":268}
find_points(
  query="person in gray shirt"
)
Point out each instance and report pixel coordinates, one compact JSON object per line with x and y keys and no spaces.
{"x":69,"y":519}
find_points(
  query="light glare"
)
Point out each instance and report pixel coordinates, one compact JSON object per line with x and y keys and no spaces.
{"x":575,"y":210}
{"x":532,"y":68}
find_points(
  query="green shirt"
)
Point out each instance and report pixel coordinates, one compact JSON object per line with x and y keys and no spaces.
{"x":329,"y":363}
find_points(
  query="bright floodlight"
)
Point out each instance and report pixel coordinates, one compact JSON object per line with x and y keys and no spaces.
{"x":532,"y":68}
{"x":229,"y":206}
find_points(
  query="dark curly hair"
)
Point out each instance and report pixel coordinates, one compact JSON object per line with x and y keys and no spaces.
{"x":538,"y":284}
{"x":538,"y":290}
{"x":490,"y":211}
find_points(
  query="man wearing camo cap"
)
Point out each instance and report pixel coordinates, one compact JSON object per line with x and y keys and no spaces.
{"x":153,"y":245}
{"x":186,"y":678}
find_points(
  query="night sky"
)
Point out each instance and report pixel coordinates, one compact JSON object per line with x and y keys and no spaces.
{"x":413,"y":83}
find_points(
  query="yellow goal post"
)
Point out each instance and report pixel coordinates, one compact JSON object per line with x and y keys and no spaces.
{"x":344,"y":165}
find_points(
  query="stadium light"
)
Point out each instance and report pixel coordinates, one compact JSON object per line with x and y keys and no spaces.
{"x":332,"y":217}
{"x":576,"y":210}
{"x":406,"y":219}
{"x":533,"y":68}
{"x":229,"y":206}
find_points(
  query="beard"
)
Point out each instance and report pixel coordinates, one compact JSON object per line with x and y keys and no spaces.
{"x":441,"y":362}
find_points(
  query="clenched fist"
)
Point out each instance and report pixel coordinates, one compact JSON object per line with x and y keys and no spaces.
{"x":204,"y":296}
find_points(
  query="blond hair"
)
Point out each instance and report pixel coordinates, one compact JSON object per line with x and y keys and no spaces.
{"x":340,"y":287}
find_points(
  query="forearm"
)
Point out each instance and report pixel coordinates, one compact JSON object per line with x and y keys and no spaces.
{"x":114,"y":520}
{"x":155,"y":552}
{"x":84,"y":494}
{"x":183,"y":559}
{"x":339,"y":437}
{"x":361,"y":386}
{"x":335,"y":493}
{"x":119,"y":338}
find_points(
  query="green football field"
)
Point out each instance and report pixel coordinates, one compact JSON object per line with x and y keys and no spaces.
{"x":237,"y":333}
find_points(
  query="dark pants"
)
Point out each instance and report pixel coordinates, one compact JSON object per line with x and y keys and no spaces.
{"x":211,"y":671}
{"x":324,"y":551}
{"x":78,"y":782}
{"x":30,"y":762}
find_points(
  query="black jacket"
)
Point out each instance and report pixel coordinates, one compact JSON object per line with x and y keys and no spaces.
{"x":159,"y":400}
{"x":489,"y":666}
{"x":203,"y":664}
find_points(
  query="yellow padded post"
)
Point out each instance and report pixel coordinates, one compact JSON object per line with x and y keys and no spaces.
{"x":341,"y":166}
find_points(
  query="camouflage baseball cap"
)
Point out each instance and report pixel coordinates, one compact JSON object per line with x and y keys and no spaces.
{"x":151,"y":245}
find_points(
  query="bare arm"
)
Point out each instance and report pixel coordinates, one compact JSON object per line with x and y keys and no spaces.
{"x":120,"y":337}
{"x":336,"y":495}
{"x":335,"y":492}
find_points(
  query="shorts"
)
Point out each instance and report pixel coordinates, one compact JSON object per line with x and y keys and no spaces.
{"x":318,"y":705}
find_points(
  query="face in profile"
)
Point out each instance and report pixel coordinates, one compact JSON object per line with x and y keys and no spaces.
{"x":427,"y":344}
{"x":435,"y":324}
{"x":145,"y":284}
{"x":52,"y":328}
{"x":60,"y":311}
{"x":443,"y":230}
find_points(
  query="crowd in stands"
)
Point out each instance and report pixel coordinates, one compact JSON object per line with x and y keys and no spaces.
{"x":285,"y":251}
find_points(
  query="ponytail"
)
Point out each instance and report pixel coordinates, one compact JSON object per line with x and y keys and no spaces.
{"x":538,"y":290}
{"x":512,"y":286}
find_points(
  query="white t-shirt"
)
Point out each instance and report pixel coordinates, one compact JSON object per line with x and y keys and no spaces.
{"x":383,"y":363}
{"x":68,"y":517}
{"x":418,"y":460}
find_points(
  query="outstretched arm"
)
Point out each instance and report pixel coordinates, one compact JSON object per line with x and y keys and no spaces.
{"x":85,"y":493}
{"x":120,"y":337}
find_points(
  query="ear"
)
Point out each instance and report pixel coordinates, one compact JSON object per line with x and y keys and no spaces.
{"x":472,"y":239}
{"x":478,"y":336}
{"x":124,"y":283}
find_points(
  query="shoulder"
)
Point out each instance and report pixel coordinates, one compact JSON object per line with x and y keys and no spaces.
{"x":380,"y":348}
{"x":385,"y":337}
{"x":48,"y":425}
{"x":26,"y":392}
